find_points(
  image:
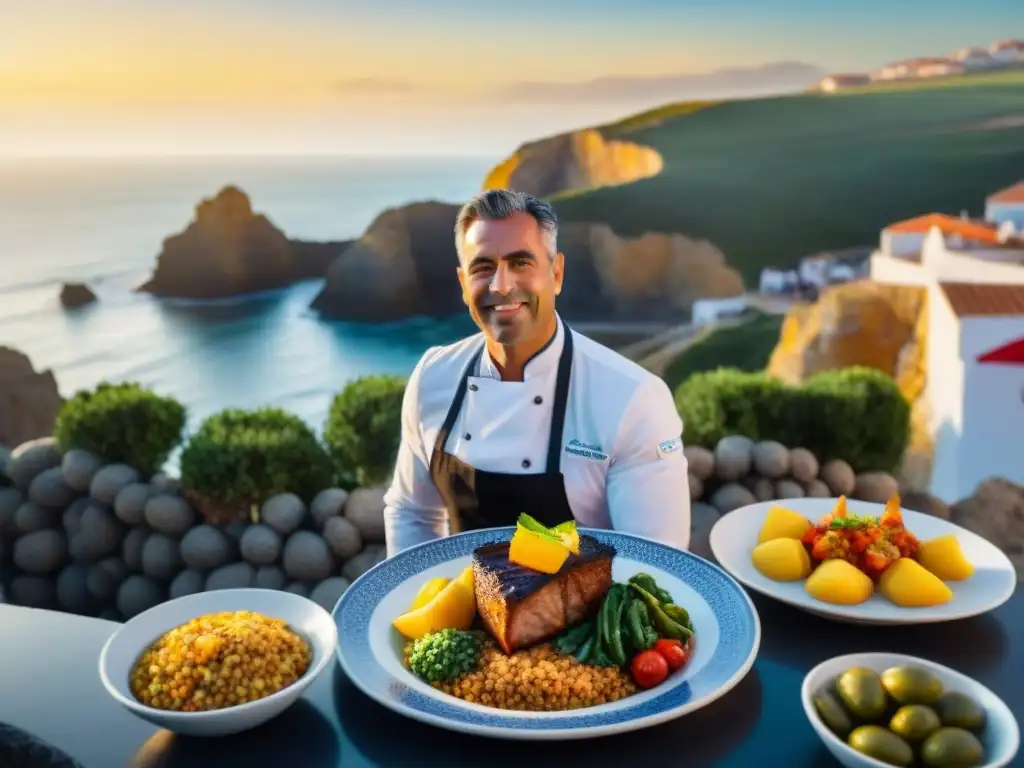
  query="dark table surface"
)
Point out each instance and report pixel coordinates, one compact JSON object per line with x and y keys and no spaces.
{"x":50,"y":686}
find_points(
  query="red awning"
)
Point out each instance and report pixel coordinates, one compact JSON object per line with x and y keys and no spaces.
{"x":1008,"y":354}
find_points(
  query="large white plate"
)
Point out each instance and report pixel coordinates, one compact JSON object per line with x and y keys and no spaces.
{"x":728,"y":635}
{"x":734,"y":537}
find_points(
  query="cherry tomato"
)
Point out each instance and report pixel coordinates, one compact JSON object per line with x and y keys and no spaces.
{"x":673,"y":651}
{"x":649,"y":668}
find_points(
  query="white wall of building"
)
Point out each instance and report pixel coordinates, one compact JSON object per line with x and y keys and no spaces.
{"x":901,"y":243}
{"x":992,"y":443}
{"x":1003,"y":212}
{"x":945,"y":395}
{"x":707,"y":311}
{"x":886,"y":269}
{"x":976,"y":266}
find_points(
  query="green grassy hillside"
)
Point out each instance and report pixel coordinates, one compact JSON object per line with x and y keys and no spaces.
{"x":747,"y":346}
{"x":771,"y":180}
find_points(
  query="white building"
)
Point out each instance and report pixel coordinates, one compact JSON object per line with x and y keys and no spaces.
{"x":973,"y":58}
{"x":943,"y":247}
{"x":834,"y":83}
{"x":975,"y":386}
{"x":1007,"y":52}
{"x":925,"y":66}
{"x":1007,"y":205}
{"x":974,"y":274}
{"x":707,"y":311}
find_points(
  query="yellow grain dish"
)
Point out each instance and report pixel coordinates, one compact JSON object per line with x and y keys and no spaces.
{"x":538,"y":679}
{"x":220,"y":660}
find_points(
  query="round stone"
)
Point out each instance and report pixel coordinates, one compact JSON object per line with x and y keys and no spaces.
{"x":50,"y":489}
{"x":79,"y":468}
{"x":733,"y":457}
{"x":233,"y":576}
{"x":307,"y":557}
{"x":839,"y":477}
{"x":130,"y":504}
{"x":169,"y":514}
{"x":731,"y":496}
{"x":342,"y":537}
{"x":283,"y":513}
{"x":771,"y":459}
{"x":329,"y":503}
{"x":260,"y":545}
{"x":206,"y":547}
{"x":803,"y":465}
{"x":700,"y":461}
{"x":109,"y":481}
{"x":139,"y":593}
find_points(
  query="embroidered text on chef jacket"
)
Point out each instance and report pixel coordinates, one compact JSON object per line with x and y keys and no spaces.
{"x":621,"y":454}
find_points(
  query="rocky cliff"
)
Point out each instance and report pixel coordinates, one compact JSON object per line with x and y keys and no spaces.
{"x":577,"y":160}
{"x":229,"y":250}
{"x":404,"y":264}
{"x":29,"y":399}
{"x":865,"y":323}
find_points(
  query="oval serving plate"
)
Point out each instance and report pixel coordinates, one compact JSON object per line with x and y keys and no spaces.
{"x":734,"y":537}
{"x":727,"y":627}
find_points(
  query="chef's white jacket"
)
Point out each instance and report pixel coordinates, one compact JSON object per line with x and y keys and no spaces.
{"x":621,"y":455}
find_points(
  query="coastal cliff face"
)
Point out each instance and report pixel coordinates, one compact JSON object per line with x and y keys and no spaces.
{"x":865,"y":323}
{"x":29,"y":399}
{"x":228,"y":250}
{"x":404,"y":264}
{"x":577,"y":160}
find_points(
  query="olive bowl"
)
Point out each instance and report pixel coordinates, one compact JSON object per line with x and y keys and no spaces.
{"x":1000,"y":737}
{"x":119,"y":654}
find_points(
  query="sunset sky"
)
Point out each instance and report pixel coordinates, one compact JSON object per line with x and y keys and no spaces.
{"x":408,"y":76}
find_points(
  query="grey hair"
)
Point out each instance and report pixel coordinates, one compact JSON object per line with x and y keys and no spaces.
{"x":497,"y":204}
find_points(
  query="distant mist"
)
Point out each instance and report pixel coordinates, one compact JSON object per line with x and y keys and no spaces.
{"x":734,"y":82}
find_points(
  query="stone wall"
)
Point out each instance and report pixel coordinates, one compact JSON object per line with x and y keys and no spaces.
{"x":82,"y":537}
{"x":98,"y":540}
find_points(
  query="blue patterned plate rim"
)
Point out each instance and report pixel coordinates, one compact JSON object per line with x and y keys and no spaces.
{"x":738,"y":645}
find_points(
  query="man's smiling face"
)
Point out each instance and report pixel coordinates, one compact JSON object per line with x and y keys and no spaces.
{"x":509,"y":278}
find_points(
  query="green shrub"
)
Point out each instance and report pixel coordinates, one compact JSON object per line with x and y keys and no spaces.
{"x":241,"y":458}
{"x":364,"y":428}
{"x":122,"y":423}
{"x":857,"y":414}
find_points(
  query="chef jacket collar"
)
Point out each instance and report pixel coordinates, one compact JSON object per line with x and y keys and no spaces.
{"x":545,"y":361}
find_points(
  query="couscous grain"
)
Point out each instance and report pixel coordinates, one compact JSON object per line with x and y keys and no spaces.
{"x":538,"y":679}
{"x":219,"y":660}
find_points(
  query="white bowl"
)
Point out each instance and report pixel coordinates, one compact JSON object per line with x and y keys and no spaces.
{"x":123,"y":648}
{"x":1001,"y":737}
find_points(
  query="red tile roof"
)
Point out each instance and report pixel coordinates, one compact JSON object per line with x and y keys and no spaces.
{"x":984,"y":299}
{"x":950,"y":225}
{"x":1014,"y":194}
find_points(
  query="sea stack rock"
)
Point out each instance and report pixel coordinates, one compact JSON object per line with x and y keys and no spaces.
{"x":229,"y":250}
{"x":74,"y":295}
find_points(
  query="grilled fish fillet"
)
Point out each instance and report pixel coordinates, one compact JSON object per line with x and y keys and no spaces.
{"x":522,"y":607}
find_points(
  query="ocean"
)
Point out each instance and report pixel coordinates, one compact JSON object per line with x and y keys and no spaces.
{"x":102,"y":222}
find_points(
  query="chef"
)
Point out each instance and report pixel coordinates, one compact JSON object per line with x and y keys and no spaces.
{"x":529,"y":415}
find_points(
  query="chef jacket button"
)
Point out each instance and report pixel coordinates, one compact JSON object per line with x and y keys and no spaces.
{"x":526,"y":463}
{"x":538,"y":399}
{"x":468,"y":436}
{"x":473,"y":387}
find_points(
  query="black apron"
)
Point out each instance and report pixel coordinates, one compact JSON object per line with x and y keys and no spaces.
{"x":477,"y":499}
